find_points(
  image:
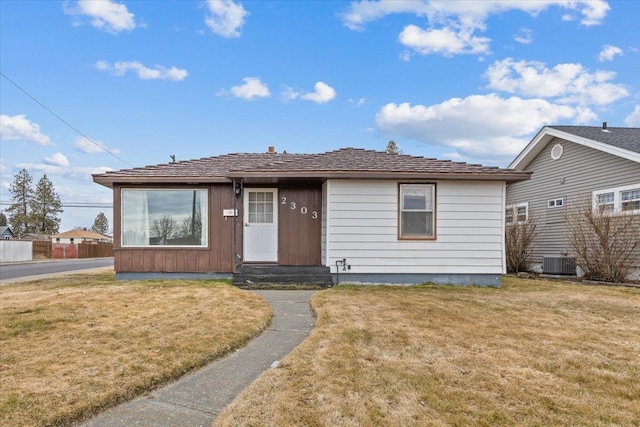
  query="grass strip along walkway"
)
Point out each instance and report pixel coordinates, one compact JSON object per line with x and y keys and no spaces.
{"x":529,"y":353}
{"x":74,"y":345}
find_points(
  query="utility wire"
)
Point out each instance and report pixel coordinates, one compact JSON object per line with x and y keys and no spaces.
{"x":63,"y":120}
{"x":75,"y":205}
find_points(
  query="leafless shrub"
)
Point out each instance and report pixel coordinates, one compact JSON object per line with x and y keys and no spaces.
{"x":606,"y":243}
{"x":519,"y":238}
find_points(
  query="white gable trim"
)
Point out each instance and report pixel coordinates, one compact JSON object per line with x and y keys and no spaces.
{"x":545,"y":136}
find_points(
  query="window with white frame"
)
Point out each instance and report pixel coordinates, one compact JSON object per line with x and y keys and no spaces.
{"x":555,"y":203}
{"x":417,"y":211}
{"x":166,"y":217}
{"x":516,"y":213}
{"x":621,"y":199}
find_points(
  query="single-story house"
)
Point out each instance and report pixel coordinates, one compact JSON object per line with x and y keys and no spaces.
{"x":6,"y":233}
{"x":80,"y":236}
{"x":569,"y":163}
{"x":354,"y":215}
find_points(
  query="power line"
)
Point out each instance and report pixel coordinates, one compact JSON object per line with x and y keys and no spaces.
{"x":75,"y":205}
{"x":63,"y":120}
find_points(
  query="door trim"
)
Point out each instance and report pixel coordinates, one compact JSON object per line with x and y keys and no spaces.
{"x":245,"y":222}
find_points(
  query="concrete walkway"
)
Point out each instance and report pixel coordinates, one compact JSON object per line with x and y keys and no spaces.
{"x":197,"y":398}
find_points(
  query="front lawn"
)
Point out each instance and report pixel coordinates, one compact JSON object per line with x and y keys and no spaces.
{"x":71,"y":346}
{"x":529,"y":353}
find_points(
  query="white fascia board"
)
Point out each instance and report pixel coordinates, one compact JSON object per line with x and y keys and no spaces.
{"x":545,"y":135}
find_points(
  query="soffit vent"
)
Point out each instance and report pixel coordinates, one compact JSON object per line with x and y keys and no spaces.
{"x":556,"y":151}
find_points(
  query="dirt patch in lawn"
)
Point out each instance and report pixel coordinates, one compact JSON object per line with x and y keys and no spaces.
{"x":529,"y":353}
{"x":73,"y":345}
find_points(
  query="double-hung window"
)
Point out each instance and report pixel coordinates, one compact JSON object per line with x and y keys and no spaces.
{"x":166,"y":217}
{"x":517,"y":213}
{"x":621,"y":199}
{"x":417,"y":211}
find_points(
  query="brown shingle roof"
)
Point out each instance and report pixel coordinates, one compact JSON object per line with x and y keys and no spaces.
{"x":346,"y":162}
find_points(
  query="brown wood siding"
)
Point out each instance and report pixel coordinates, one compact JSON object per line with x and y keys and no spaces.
{"x":216,"y":258}
{"x":300,"y":229}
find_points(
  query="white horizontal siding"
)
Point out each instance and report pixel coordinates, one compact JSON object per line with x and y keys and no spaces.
{"x":362,"y":226}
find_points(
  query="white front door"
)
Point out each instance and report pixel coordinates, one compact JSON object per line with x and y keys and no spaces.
{"x":260,"y":225}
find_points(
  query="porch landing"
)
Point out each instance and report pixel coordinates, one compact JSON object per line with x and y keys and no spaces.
{"x":264,"y":276}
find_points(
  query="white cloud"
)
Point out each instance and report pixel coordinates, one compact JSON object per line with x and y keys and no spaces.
{"x":144,"y":73}
{"x":447,"y":41}
{"x":105,"y":15}
{"x":90,"y":147}
{"x":569,"y":83}
{"x":19,"y":128}
{"x":453,"y":25}
{"x":608,"y":52}
{"x":479,"y":125}
{"x":58,"y":159}
{"x":225,"y":18}
{"x":73,"y":172}
{"x":252,"y":88}
{"x":633,"y":119}
{"x":524,"y":36}
{"x":289,"y":94}
{"x":323,"y":93}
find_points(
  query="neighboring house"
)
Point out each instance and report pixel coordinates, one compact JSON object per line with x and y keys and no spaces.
{"x":369,"y":216}
{"x":6,"y":233}
{"x":80,"y":236}
{"x":570,"y":163}
{"x":35,"y":237}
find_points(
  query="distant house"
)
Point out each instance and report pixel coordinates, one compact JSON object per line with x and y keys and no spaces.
{"x":34,"y":236}
{"x":360,"y":216}
{"x":569,"y":163}
{"x":6,"y":233}
{"x":80,"y":236}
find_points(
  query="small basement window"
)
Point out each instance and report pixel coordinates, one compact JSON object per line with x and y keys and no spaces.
{"x":555,"y":203}
{"x":417,"y":211}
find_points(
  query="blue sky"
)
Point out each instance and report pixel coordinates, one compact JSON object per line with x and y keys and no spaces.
{"x":463,"y":80}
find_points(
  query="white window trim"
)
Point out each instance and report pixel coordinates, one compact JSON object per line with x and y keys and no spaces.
{"x":617,"y":198}
{"x":553,"y":203}
{"x":515,"y":207}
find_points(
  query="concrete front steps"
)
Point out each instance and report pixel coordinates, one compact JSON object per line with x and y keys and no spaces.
{"x":282,"y":276}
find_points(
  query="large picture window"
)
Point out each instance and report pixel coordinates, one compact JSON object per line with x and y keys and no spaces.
{"x":164,"y":217}
{"x":417,"y":211}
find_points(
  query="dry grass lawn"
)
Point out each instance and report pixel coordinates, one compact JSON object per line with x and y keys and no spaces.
{"x":71,"y":346}
{"x":534,"y":353}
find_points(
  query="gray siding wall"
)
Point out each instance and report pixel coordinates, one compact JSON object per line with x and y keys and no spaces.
{"x":579,"y":171}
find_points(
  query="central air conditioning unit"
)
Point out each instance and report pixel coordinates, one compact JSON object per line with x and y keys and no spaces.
{"x":559,"y":265}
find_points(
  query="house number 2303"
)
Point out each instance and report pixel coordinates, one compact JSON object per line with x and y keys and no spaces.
{"x":303,"y":210}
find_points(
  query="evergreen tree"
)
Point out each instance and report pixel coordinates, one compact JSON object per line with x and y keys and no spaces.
{"x":101,"y":224}
{"x":21,"y":195}
{"x":3,"y":219}
{"x":392,"y":148}
{"x":46,"y":207}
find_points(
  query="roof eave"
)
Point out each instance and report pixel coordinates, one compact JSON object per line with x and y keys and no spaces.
{"x":110,"y":181}
{"x":548,"y":133}
{"x":510,"y":176}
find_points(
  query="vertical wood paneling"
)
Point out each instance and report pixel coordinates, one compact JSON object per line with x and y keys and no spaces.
{"x":217,"y":258}
{"x":299,"y":233}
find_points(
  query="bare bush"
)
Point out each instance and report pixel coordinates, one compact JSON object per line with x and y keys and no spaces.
{"x":605,"y":244}
{"x":519,"y":238}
